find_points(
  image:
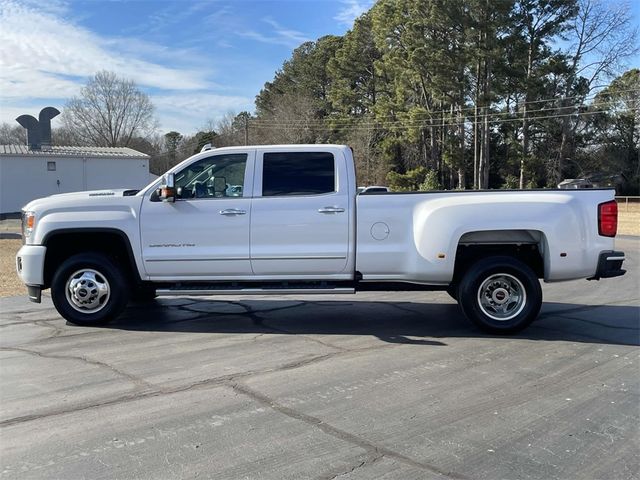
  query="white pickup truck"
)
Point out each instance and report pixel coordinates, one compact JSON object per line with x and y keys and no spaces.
{"x":287,"y":220}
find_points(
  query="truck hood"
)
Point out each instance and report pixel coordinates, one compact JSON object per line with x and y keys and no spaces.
{"x":78,"y":198}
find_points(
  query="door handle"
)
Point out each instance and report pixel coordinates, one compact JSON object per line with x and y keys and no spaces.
{"x":330,"y":210}
{"x":232,"y":211}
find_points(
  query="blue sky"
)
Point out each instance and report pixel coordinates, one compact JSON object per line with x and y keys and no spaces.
{"x":196,"y":59}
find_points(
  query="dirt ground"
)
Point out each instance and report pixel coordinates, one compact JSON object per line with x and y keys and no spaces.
{"x":629,"y":219}
{"x":9,"y":283}
{"x":628,"y":224}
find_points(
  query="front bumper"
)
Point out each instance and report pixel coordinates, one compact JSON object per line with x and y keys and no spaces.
{"x":30,"y":268}
{"x":609,"y":265}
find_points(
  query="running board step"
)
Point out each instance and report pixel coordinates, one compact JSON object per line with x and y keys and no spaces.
{"x":252,"y":291}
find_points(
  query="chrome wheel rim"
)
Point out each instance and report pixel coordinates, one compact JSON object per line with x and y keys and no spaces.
{"x":87,"y":291}
{"x":502,"y":297}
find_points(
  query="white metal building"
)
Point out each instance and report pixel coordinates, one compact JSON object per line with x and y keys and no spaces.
{"x":26,"y":174}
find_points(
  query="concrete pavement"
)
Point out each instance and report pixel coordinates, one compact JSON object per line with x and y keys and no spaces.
{"x":376,"y":385}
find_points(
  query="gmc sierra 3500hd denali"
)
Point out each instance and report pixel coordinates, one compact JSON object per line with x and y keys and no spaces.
{"x":287,"y":220}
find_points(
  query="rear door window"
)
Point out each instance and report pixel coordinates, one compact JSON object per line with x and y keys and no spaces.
{"x":298,"y":173}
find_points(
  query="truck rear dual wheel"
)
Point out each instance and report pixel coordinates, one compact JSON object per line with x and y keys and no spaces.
{"x":89,"y":289}
{"x":501,"y":295}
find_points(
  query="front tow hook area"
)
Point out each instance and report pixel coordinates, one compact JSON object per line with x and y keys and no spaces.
{"x":35,"y":293}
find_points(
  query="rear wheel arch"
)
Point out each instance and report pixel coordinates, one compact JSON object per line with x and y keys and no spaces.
{"x":528,"y":246}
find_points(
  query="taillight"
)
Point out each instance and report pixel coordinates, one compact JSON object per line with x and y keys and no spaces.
{"x":608,"y":219}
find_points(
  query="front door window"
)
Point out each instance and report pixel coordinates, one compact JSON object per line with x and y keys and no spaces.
{"x":219,"y":176}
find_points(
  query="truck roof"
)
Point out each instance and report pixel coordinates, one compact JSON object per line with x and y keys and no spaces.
{"x":292,"y":146}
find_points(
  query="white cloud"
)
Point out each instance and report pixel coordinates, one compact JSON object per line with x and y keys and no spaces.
{"x":20,"y":82}
{"x":279,"y":35}
{"x":45,"y":45}
{"x":351,"y":10}
{"x":201,"y":103}
{"x":183,"y":111}
{"x":171,"y":15}
{"x":45,"y":59}
{"x":9,"y":113}
{"x":58,"y":7}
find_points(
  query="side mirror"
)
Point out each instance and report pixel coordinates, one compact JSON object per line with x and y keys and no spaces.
{"x":167,"y":188}
{"x":220,"y":186}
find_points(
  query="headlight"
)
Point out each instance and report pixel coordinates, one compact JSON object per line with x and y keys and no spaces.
{"x":28,"y":223}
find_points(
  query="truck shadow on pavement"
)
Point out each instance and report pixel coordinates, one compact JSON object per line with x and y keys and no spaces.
{"x":393,"y":322}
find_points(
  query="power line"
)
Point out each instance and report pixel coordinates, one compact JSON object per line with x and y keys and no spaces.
{"x":428,"y":125}
{"x":586,"y":97}
{"x":442,"y":121}
{"x":432,"y":121}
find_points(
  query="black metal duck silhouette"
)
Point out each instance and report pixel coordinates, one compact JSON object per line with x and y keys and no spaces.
{"x":38,"y":131}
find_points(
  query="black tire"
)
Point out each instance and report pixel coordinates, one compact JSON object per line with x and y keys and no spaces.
{"x":500,"y":294}
{"x":78,"y":289}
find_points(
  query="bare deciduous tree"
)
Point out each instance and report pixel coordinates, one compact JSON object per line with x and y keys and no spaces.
{"x":226,"y":129}
{"x":66,"y":136}
{"x":110,"y":111}
{"x":370,"y":168}
{"x":12,"y":134}
{"x":603,"y":36}
{"x":292,"y":120}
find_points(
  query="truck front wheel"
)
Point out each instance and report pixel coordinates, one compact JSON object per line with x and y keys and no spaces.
{"x":89,"y":289}
{"x":500,"y":295}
